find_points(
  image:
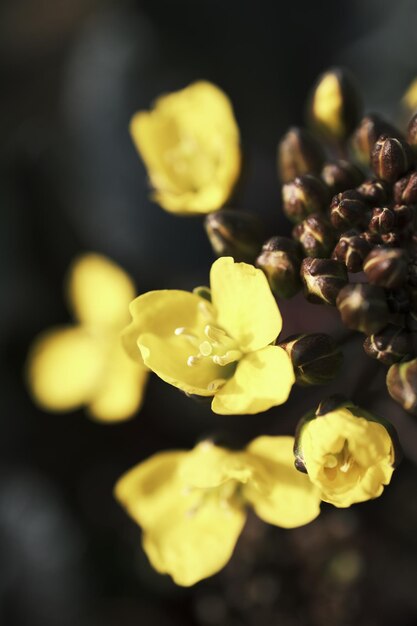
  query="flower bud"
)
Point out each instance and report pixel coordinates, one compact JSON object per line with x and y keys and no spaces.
{"x":412,"y":133}
{"x":391,"y":158}
{"x":234,"y":233}
{"x":405,"y":189}
{"x":390,"y":345}
{"x":372,"y":238}
{"x":363,"y":307}
{"x":386,"y":267}
{"x":280,"y":260}
{"x":336,"y":104}
{"x":366,"y":134}
{"x":299,"y":153}
{"x":351,"y":250}
{"x":402,"y":384}
{"x":348,"y":453}
{"x":303,"y":196}
{"x":392,"y":240}
{"x":341,"y":175}
{"x":323,"y":279}
{"x":376,"y":192}
{"x":382,"y":220}
{"x":347,"y":209}
{"x":315,"y":235}
{"x":315,"y":357}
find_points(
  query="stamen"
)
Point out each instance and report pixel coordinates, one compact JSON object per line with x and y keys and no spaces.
{"x":215,"y":385}
{"x":214,"y":334}
{"x":346,"y":465}
{"x":192,"y":361}
{"x":330,"y":462}
{"x":204,"y":308}
{"x":229,"y":357}
{"x":206,"y":348}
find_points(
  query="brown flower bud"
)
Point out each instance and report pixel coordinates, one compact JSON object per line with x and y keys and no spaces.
{"x":315,"y":235}
{"x":335,"y":105}
{"x":280,"y":260}
{"x":315,"y":357}
{"x":299,"y":153}
{"x":392,"y":240}
{"x":372,"y":238}
{"x":405,"y":189}
{"x":341,"y":175}
{"x":366,"y":134}
{"x":390,"y":345}
{"x":412,"y":133}
{"x":391,"y":158}
{"x":351,"y":250}
{"x":303,"y":196}
{"x":323,"y":279}
{"x":347,"y":209}
{"x":402,"y":384}
{"x":376,"y":192}
{"x":387,"y":267}
{"x":363,"y":307}
{"x":234,"y":233}
{"x":382,"y":220}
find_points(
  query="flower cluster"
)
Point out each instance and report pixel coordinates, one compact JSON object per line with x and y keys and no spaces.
{"x":221,"y":341}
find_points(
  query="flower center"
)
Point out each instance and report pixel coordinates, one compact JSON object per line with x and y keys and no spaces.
{"x":214,"y":345}
{"x":342,"y":461}
{"x":223,"y":496}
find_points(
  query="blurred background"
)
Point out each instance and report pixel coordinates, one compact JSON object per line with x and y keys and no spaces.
{"x":72,"y":72}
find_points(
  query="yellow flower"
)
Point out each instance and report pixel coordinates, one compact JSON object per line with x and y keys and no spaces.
{"x":219,"y":348}
{"x":192,"y":505}
{"x":409,"y":99}
{"x":85,"y":364}
{"x":347,"y":454}
{"x":190,"y":145}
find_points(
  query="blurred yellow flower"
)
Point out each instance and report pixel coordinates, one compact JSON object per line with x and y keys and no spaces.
{"x":220,"y":348}
{"x":348,"y":455}
{"x":409,"y":99}
{"x":192,"y":505}
{"x":85,"y":364}
{"x":190,"y":145}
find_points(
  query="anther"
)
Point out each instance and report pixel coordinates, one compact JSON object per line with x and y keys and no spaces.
{"x":214,"y":334}
{"x":215,"y":385}
{"x":192,"y":361}
{"x":229,"y":357}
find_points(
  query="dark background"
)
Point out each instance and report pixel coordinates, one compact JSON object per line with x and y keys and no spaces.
{"x":72,"y":72}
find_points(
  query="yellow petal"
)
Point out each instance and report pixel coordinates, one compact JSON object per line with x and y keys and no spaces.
{"x":151,"y":488}
{"x":193,"y":544}
{"x":244,"y":304}
{"x":156,"y":316}
{"x":190,"y":145}
{"x":210,"y":466}
{"x":64,"y":368}
{"x":281,"y":495}
{"x":186,"y":534}
{"x":122,"y":387}
{"x":262,"y":379}
{"x":410,"y":97}
{"x":99,"y":291}
{"x":369,"y":448}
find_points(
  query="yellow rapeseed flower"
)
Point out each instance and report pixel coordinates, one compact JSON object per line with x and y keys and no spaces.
{"x":189,"y":142}
{"x":220,"y":348}
{"x":192,"y":505}
{"x":409,"y":99}
{"x":347,"y":454}
{"x":85,"y":364}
